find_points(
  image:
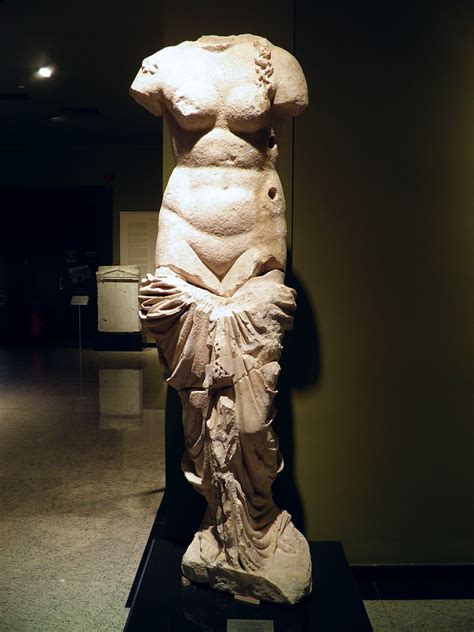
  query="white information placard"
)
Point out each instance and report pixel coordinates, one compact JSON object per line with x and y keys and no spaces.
{"x":249,"y":625}
{"x":79,"y":300}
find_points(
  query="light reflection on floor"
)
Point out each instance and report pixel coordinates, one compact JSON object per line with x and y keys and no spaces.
{"x":81,"y":478}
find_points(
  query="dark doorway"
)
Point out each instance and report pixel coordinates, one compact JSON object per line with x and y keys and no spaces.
{"x":52,"y":239}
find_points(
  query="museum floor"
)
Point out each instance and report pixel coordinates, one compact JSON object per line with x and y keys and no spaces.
{"x":81,"y":478}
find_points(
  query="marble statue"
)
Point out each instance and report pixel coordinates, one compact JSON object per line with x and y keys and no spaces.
{"x":217,"y":304}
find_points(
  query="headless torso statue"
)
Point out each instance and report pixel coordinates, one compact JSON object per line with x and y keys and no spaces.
{"x":217,"y":304}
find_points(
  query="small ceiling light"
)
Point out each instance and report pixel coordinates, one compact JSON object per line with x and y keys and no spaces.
{"x":45,"y":72}
{"x":21,"y":86}
{"x":58,"y":119}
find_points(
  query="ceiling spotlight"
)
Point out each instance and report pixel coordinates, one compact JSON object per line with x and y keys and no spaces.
{"x":45,"y":72}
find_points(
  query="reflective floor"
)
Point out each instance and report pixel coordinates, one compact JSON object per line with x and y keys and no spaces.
{"x":81,"y":478}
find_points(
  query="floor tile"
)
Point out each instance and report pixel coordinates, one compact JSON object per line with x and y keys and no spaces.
{"x":378,"y":616}
{"x":78,"y":490}
{"x":455,"y":615}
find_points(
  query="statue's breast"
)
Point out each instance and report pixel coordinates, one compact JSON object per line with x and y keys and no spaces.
{"x":193,"y":105}
{"x":246,"y":107}
{"x":209,"y":90}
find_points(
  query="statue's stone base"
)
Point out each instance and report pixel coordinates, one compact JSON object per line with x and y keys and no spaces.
{"x":286,"y":578}
{"x":162,"y":602}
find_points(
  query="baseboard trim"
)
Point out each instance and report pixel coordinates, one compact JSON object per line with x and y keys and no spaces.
{"x":118,"y":341}
{"x":415,"y":581}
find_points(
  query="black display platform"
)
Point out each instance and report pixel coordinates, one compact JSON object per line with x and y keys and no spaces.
{"x":162,"y":603}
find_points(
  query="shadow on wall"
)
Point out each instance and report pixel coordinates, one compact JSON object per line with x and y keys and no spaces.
{"x":300,"y":370}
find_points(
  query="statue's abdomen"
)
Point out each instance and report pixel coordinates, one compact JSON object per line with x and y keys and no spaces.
{"x":222,"y":212}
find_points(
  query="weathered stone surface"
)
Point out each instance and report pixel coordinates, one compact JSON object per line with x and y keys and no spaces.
{"x":284,"y":578}
{"x":217,"y":304}
{"x":117,"y":298}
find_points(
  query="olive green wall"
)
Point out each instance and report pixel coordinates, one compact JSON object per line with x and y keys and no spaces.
{"x":382,"y":241}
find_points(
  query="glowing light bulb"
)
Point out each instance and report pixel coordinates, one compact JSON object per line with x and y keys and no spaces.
{"x":45,"y":72}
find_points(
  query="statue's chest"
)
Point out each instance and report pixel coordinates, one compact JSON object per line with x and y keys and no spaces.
{"x":218,"y":89}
